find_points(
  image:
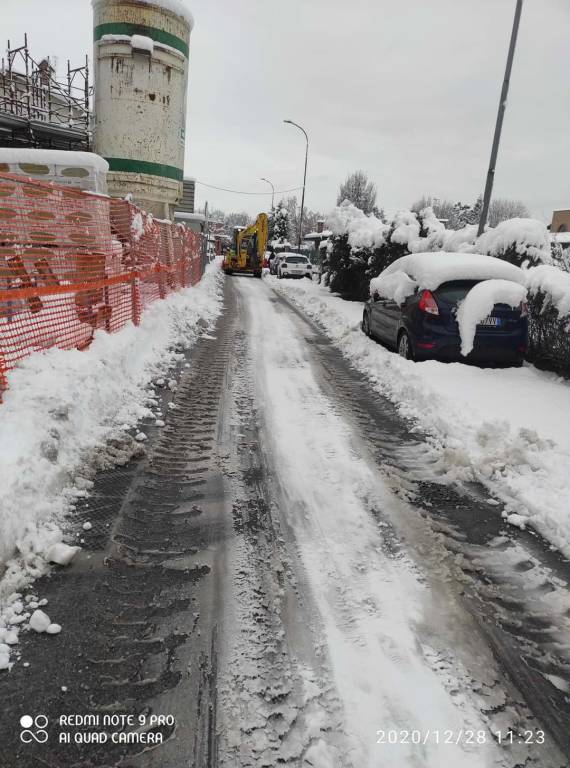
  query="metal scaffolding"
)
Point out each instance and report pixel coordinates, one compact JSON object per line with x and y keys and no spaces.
{"x":38,"y":109}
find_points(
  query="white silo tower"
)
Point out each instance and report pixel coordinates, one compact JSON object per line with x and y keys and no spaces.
{"x":141,"y":82}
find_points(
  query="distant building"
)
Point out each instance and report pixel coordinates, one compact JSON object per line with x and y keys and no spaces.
{"x":560,"y":222}
{"x":319,"y":239}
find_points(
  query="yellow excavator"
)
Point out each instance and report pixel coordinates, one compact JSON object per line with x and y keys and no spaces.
{"x":248,"y":250}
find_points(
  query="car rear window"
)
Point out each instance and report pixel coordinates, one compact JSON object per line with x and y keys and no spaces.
{"x":452,"y":293}
{"x":296,"y":260}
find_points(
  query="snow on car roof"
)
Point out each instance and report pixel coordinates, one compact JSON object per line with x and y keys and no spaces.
{"x":430,"y":270}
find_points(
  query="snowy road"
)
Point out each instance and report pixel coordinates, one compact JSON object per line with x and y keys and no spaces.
{"x":285,"y":578}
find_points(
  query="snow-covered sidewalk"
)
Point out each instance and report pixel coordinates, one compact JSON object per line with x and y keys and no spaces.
{"x":507,"y":428}
{"x":61,"y":409}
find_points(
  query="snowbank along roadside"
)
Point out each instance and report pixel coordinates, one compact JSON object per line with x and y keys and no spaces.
{"x":508,"y":428}
{"x":61,"y":409}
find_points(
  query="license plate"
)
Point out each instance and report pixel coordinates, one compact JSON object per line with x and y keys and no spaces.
{"x":491,"y":321}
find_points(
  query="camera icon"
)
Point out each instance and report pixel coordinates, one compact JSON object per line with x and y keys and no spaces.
{"x":33,"y":729}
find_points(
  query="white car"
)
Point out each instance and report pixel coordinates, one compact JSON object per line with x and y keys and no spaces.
{"x":294,"y":265}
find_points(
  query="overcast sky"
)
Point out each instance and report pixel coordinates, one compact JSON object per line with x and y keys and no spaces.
{"x":406,"y":90}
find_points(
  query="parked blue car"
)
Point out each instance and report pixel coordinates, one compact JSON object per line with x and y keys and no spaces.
{"x":422,"y":323}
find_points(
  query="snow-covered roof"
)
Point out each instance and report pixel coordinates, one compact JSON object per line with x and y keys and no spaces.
{"x":177,"y":7}
{"x":318,"y":235}
{"x":430,"y":270}
{"x":13,"y":155}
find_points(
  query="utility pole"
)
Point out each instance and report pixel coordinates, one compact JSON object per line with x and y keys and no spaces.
{"x":304,"y":181}
{"x":500,"y":117}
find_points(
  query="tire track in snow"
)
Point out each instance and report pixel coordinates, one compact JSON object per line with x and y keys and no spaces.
{"x":367,"y":598}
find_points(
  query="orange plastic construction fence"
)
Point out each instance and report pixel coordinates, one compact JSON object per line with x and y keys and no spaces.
{"x":73,"y":262}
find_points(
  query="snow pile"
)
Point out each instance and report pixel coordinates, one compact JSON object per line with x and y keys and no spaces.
{"x":430,"y":270}
{"x":508,"y":429}
{"x":529,"y":238}
{"x":142,"y":43}
{"x":479,"y":303}
{"x":62,"y":407}
{"x":396,"y":286}
{"x":363,"y":231}
{"x":453,"y":240}
{"x":430,"y":223}
{"x":553,"y":282}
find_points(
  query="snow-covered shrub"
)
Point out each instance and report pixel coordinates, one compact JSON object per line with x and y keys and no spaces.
{"x":356,"y":237}
{"x":549,"y":311}
{"x":524,"y":242}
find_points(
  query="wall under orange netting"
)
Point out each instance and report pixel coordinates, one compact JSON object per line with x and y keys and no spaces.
{"x":73,"y":262}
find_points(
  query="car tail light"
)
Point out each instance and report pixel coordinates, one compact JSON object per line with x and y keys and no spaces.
{"x":428,"y":304}
{"x":524,"y":309}
{"x":425,"y":344}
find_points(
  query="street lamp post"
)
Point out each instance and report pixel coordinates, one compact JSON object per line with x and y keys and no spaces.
{"x":272,"y":193}
{"x":499,"y":124}
{"x":304,"y":180}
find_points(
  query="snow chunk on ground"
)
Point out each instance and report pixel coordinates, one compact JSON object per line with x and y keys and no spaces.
{"x":397,"y":286}
{"x":554,"y":283}
{"x":518,"y":520}
{"x":432,"y":269}
{"x":61,"y":554}
{"x":479,"y":304}
{"x":40,"y":621}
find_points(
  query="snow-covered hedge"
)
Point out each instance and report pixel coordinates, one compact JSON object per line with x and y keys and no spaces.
{"x":549,"y":306}
{"x":361,"y":247}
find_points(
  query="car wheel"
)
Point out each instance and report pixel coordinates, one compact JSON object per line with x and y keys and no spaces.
{"x":405,"y":346}
{"x":366,"y":325}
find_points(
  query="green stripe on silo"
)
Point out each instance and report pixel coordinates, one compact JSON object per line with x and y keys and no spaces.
{"x":158,"y":35}
{"x":124,"y":165}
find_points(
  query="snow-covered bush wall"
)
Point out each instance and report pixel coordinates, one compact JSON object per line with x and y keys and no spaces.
{"x":549,"y":310}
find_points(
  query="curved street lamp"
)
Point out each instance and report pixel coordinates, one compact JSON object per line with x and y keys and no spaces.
{"x":272,"y":192}
{"x":304,"y":179}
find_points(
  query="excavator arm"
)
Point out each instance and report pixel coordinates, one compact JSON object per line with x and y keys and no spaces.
{"x":249,"y":248}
